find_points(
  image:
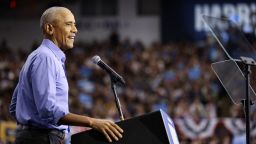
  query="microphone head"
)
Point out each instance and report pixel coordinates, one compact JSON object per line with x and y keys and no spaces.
{"x":95,"y":59}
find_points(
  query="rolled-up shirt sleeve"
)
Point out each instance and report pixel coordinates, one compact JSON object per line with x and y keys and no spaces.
{"x":12,"y":107}
{"x":44,"y":73}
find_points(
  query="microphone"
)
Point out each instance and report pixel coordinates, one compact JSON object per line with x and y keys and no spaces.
{"x":115,"y":77}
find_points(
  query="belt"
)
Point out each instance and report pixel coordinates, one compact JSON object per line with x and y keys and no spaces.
{"x":57,"y":132}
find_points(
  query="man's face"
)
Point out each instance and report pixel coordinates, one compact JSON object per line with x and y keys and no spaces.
{"x":64,"y":30}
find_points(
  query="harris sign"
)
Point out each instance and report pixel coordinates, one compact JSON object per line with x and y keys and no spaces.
{"x":183,"y":20}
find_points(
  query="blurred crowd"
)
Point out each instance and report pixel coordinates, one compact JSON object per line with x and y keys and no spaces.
{"x":175,"y":77}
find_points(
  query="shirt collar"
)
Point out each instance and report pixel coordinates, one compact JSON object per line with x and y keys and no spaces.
{"x":55,"y":49}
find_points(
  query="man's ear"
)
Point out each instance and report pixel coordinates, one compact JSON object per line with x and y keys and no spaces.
{"x":49,"y":29}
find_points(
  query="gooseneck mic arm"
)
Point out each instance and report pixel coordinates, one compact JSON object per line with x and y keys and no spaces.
{"x":115,"y":77}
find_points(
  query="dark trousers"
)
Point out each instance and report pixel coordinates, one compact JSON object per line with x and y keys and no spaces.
{"x":39,"y":136}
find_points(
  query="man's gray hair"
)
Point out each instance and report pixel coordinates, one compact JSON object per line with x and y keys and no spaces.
{"x":49,"y":15}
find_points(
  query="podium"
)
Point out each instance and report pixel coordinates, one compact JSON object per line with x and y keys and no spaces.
{"x":153,"y":128}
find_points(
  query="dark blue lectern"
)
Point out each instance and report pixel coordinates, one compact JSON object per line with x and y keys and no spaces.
{"x":153,"y":128}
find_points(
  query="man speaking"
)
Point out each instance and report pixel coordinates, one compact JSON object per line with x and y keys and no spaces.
{"x":40,"y":99}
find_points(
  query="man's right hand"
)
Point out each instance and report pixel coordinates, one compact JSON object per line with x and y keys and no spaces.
{"x":108,"y":128}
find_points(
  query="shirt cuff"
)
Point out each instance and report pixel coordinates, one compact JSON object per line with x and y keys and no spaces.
{"x":58,"y":115}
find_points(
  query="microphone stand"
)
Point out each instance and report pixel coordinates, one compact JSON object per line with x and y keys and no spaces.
{"x":118,"y":105}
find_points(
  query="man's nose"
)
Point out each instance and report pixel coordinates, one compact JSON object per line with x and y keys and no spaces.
{"x":74,"y":29}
